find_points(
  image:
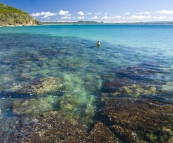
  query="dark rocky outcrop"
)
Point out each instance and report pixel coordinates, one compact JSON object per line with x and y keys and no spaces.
{"x":132,"y":119}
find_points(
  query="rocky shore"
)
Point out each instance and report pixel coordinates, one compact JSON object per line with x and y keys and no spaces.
{"x":10,"y":16}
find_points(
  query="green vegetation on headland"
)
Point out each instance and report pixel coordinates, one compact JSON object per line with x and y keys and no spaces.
{"x":12,"y":16}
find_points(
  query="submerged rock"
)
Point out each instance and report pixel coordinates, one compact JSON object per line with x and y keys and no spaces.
{"x":54,"y":127}
{"x":45,"y":85}
{"x":125,"y":134}
{"x":129,"y":88}
{"x":50,"y":127}
{"x":139,"y":114}
{"x":115,"y":85}
{"x":136,"y":90}
{"x":140,"y":71}
{"x":167,"y":88}
{"x":101,"y":134}
{"x":68,"y":103}
{"x":49,"y":52}
{"x":146,"y":118}
{"x":34,"y":106}
{"x":41,"y":86}
{"x":133,"y":81}
{"x":70,"y":66}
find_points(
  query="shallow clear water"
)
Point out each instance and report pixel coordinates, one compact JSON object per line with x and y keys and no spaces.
{"x":59,"y":68}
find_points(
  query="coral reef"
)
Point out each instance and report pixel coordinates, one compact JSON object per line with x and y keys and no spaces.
{"x":136,"y":90}
{"x":50,"y":127}
{"x":115,"y":85}
{"x":124,"y":87}
{"x":143,"y":117}
{"x":139,"y":114}
{"x":140,"y":71}
{"x":68,"y":103}
{"x":34,"y":106}
{"x":167,"y":88}
{"x":40,"y":86}
{"x":73,"y":108}
{"x":70,"y":66}
{"x":53,"y":127}
{"x":133,"y":81}
{"x":101,"y":134}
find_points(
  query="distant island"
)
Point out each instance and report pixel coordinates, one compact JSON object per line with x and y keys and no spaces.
{"x":12,"y":16}
{"x":95,"y":22}
{"x":77,"y":22}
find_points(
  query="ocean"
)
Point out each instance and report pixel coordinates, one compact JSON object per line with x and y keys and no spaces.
{"x":58,"y":86}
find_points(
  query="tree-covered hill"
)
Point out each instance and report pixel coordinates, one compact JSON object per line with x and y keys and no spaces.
{"x":12,"y":16}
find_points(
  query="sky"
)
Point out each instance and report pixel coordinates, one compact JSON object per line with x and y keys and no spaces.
{"x":96,"y":10}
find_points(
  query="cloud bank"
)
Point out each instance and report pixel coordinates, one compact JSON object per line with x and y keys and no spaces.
{"x":62,"y":12}
{"x":44,"y":14}
{"x":137,"y":16}
{"x":140,"y":17}
{"x":165,"y":12}
{"x":144,"y":13}
{"x":80,"y":13}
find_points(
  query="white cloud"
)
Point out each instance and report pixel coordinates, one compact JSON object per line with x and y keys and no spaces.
{"x":144,"y":13}
{"x":165,"y":12}
{"x":80,"y":13}
{"x":147,"y":13}
{"x":89,"y":13}
{"x":97,"y":13}
{"x":127,"y":13}
{"x":36,"y":14}
{"x":68,"y":14}
{"x":62,"y":12}
{"x":47,"y":14}
{"x":105,"y":17}
{"x":44,"y":14}
{"x":107,"y":13}
{"x":140,"y":17}
{"x":95,"y":17}
{"x":65,"y":17}
{"x":160,"y":17}
{"x":81,"y":17}
{"x":118,"y":16}
{"x":115,"y":17}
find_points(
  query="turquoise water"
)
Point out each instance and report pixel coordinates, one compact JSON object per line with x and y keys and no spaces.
{"x":155,"y":36}
{"x":58,"y":70}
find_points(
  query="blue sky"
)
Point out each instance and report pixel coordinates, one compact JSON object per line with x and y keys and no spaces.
{"x":96,"y":10}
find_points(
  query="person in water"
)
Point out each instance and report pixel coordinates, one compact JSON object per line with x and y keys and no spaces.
{"x":98,"y":43}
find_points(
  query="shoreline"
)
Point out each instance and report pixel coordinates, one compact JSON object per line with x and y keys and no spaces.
{"x":20,"y":25}
{"x":47,"y":24}
{"x":102,"y":23}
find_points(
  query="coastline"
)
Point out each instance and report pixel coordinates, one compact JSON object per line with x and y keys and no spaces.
{"x":18,"y":25}
{"x":76,"y":23}
{"x":103,"y":23}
